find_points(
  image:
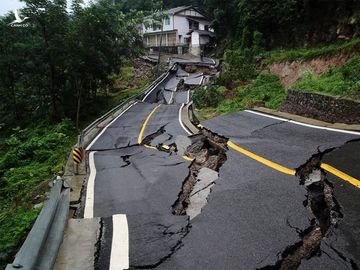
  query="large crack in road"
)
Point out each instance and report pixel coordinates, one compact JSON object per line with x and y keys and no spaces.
{"x":322,"y":204}
{"x":208,"y":151}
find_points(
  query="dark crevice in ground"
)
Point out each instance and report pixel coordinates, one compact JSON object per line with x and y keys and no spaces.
{"x":148,"y":139}
{"x":208,"y":151}
{"x":273,"y":124}
{"x":322,"y":204}
{"x":113,"y":149}
{"x":98,"y":245}
{"x":126,"y":159}
{"x":183,"y":232}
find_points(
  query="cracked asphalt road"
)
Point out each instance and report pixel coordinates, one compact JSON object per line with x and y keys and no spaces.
{"x":253,"y":212}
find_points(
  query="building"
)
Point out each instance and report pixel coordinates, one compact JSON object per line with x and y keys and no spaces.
{"x":184,"y":28}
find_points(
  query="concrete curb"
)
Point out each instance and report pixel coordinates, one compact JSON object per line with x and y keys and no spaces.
{"x":188,"y":119}
{"x":306,"y":120}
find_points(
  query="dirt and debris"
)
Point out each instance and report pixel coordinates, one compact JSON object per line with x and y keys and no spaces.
{"x":291,"y":72}
{"x":208,"y":151}
{"x":196,"y":69}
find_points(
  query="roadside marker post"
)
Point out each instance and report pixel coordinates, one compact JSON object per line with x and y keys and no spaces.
{"x":78,"y":155}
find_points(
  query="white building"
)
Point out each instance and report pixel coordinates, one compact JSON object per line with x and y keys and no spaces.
{"x":185,"y":27}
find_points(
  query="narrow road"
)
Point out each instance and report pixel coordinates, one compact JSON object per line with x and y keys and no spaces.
{"x":269,"y":203}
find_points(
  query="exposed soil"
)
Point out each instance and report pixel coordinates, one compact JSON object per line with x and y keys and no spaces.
{"x":209,"y":151}
{"x":291,"y":72}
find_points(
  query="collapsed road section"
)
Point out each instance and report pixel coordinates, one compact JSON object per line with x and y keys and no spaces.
{"x":129,"y":176}
{"x":208,"y":151}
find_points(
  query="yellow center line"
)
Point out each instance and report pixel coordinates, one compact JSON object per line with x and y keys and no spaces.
{"x":260,"y":159}
{"x":340,"y":174}
{"x":188,"y":158}
{"x":150,"y":146}
{"x":145,"y":123}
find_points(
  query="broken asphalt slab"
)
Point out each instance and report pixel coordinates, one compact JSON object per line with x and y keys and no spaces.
{"x":124,"y":131}
{"x":341,"y":249}
{"x":147,"y":182}
{"x":166,"y":116}
{"x":252,"y":214}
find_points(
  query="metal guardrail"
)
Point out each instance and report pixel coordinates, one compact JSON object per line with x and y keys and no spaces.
{"x":40,"y":249}
{"x":118,"y":108}
{"x":41,"y":246}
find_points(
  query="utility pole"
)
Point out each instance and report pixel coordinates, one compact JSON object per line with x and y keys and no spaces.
{"x":159,"y":54}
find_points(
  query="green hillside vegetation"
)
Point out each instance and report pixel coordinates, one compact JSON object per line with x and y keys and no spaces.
{"x":281,"y":55}
{"x":30,"y":158}
{"x":342,"y":81}
{"x":68,"y":68}
{"x":242,"y":86}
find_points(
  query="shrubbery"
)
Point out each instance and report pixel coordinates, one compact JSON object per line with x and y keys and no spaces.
{"x":208,"y":96}
{"x":28,"y":158}
{"x":342,"y":81}
{"x":265,"y":89}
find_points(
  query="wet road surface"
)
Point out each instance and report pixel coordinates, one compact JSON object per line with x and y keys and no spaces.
{"x":254,"y":213}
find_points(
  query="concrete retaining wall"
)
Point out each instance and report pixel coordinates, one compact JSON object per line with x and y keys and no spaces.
{"x":322,"y":107}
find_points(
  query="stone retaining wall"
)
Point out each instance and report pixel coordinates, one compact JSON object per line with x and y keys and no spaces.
{"x":322,"y":107}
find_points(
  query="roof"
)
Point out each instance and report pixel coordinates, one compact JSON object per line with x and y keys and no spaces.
{"x":202,"y":21}
{"x":173,"y":11}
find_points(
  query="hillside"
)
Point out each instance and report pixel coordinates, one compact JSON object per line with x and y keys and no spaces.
{"x":330,"y":69}
{"x":76,"y":65}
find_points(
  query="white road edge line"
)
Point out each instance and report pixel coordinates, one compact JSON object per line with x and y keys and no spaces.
{"x":154,"y":88}
{"x":181,"y":123}
{"x":303,"y":124}
{"x":119,"y":258}
{"x":188,"y":97}
{"x":102,"y":132}
{"x":89,"y":201}
{"x":172,"y":96}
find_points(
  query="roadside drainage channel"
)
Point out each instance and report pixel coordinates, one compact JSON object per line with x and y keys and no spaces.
{"x":322,"y":204}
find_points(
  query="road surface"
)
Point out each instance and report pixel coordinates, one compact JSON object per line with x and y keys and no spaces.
{"x":254,"y":215}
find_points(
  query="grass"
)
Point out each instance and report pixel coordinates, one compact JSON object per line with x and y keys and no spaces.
{"x":281,"y":55}
{"x":342,"y":81}
{"x":29,"y":157}
{"x":33,"y":155}
{"x":265,"y":90}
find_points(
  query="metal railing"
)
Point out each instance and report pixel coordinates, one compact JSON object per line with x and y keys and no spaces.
{"x":82,"y":138}
{"x":41,"y":247}
{"x":42,"y":244}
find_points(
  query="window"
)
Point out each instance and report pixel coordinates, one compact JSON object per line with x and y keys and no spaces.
{"x":193,"y":25}
{"x":167,"y":21}
{"x":206,"y":28}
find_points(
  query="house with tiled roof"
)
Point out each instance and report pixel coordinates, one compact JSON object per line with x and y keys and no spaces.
{"x":184,"y":28}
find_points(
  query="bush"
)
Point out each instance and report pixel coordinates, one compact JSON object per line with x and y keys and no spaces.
{"x":265,"y":88}
{"x":29,"y":157}
{"x":342,"y":81}
{"x":208,"y":96}
{"x":239,"y":65}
